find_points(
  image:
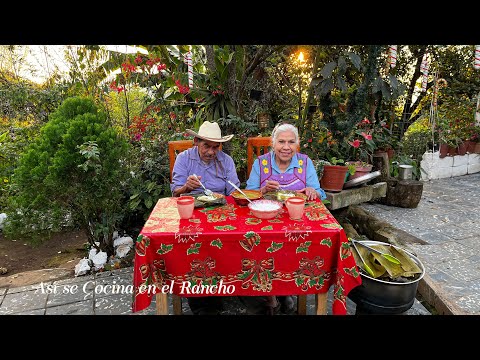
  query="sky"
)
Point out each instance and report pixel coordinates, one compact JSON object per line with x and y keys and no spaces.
{"x":44,"y":59}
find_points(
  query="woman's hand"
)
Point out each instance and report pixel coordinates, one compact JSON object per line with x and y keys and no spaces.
{"x":309,"y":192}
{"x":270,"y":185}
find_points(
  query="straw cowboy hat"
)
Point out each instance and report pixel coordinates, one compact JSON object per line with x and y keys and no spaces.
{"x":210,"y":131}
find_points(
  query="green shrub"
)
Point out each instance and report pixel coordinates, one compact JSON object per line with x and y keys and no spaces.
{"x":417,"y":139}
{"x":72,"y":174}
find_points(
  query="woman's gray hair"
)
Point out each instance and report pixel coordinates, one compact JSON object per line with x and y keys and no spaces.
{"x":280,"y":128}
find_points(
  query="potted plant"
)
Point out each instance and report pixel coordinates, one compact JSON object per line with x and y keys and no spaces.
{"x":334,"y":174}
{"x":360,"y":168}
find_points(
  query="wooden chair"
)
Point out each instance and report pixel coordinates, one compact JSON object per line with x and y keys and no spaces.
{"x":174,"y":148}
{"x":260,"y":145}
{"x":256,"y":145}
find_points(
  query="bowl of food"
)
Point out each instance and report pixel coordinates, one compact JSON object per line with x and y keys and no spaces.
{"x":265,"y":209}
{"x":241,"y":200}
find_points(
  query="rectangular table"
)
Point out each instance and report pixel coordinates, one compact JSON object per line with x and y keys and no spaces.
{"x":226,"y":250}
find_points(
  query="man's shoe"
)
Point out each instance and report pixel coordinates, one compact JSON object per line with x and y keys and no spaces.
{"x":287,"y":304}
{"x":208,"y":311}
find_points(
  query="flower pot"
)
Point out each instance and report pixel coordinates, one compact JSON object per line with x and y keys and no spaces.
{"x":361,"y":170}
{"x":477,"y":148}
{"x":452,"y":151}
{"x":333,"y":177}
{"x":470,"y":146}
{"x":443,"y":150}
{"x":462,"y":149}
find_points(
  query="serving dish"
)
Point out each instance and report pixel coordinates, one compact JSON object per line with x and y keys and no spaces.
{"x":202,"y":200}
{"x":241,"y":200}
{"x":265,"y":209}
{"x":362,"y":179}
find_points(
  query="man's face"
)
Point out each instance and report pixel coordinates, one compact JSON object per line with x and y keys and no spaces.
{"x":207,"y":149}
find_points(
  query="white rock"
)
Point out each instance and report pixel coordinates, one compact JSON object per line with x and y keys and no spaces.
{"x":3,"y":216}
{"x":127,"y":240}
{"x":122,"y":250}
{"x":82,"y":267}
{"x":92,"y":253}
{"x":100,"y":260}
{"x":115,"y":235}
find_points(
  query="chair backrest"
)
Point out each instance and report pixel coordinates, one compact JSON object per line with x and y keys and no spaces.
{"x":258,"y":145}
{"x":174,"y":148}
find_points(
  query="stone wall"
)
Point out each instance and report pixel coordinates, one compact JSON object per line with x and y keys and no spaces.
{"x":432,"y":167}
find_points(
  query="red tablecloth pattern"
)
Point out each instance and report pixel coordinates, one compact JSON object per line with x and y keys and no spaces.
{"x":228,"y":245}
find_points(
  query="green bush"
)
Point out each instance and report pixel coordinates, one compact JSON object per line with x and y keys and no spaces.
{"x":71,"y":174}
{"x":417,"y":139}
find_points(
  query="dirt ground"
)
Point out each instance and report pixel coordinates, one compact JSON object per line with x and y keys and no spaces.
{"x":63,"y":250}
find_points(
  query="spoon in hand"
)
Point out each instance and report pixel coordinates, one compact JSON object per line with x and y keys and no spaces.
{"x":206,"y":191}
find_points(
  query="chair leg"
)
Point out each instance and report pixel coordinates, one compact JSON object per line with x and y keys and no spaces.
{"x":161,"y":303}
{"x":302,"y":304}
{"x":321,"y":303}
{"x":177,"y":304}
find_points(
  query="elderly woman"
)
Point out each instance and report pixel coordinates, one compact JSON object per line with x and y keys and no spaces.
{"x":282,"y":168}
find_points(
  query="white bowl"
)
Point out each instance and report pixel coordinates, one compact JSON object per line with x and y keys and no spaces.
{"x":265,"y":209}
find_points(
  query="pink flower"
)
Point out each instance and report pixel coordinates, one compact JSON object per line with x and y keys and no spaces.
{"x":367,"y":136}
{"x":356,"y":143}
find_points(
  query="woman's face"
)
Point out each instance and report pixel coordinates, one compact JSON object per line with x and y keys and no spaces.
{"x":285,"y":146}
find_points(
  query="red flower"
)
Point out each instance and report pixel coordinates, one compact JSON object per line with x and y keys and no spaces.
{"x":367,"y":136}
{"x":356,"y":143}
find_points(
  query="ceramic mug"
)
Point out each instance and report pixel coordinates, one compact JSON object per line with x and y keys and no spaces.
{"x":295,"y":206}
{"x":185,"y":206}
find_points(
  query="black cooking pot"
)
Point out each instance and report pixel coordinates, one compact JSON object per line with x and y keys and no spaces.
{"x":385,"y":297}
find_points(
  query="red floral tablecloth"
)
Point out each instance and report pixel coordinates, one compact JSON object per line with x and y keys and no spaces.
{"x":227,"y":248}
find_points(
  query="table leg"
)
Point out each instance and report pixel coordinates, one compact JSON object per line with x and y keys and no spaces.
{"x":177,"y":304}
{"x":321,"y":303}
{"x":302,"y":304}
{"x":161,"y":303}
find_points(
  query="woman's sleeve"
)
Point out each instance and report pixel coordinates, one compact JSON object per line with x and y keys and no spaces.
{"x":253,"y":182}
{"x":312,"y":179}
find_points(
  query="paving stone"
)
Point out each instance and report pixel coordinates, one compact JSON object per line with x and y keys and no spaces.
{"x":460,"y":269}
{"x":105,"y":286}
{"x":31,"y":312}
{"x":432,"y":237}
{"x":75,"y":280}
{"x":119,"y":304}
{"x":77,"y":308}
{"x":70,"y":293}
{"x":22,"y":301}
{"x":470,"y":303}
{"x":28,"y":287}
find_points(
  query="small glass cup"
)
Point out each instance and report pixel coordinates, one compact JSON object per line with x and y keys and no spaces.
{"x":185,"y":206}
{"x":295,"y":206}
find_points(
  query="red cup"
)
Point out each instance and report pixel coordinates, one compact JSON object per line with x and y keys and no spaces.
{"x":185,"y":206}
{"x":295,"y":206}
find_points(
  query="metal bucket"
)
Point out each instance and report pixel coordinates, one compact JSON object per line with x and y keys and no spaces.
{"x":383,"y":297}
{"x":405,"y":172}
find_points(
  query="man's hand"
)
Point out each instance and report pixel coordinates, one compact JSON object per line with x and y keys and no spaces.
{"x":191,"y":184}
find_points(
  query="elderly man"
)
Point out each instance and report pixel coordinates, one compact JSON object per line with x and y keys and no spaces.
{"x":213,"y":167}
